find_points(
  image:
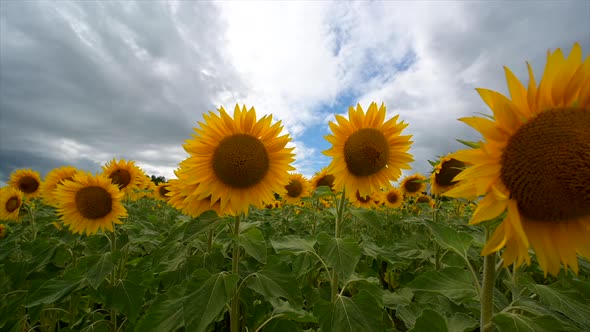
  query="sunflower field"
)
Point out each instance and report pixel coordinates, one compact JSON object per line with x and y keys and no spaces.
{"x":497,"y":237}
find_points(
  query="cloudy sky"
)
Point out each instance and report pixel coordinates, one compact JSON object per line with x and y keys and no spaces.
{"x":84,"y":82}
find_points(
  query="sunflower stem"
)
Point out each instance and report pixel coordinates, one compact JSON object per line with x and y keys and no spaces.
{"x":113,"y":279}
{"x":339,"y":214}
{"x":234,"y":316}
{"x":487,"y":292}
{"x":32,"y":215}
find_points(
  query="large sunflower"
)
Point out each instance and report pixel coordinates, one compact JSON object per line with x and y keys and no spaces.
{"x":54,"y":178}
{"x":366,"y":152}
{"x":297,"y":188}
{"x":127,"y":176}
{"x":89,"y":203}
{"x":27,"y":181}
{"x":535,"y":163}
{"x":413,"y":185}
{"x":11,"y":200}
{"x":443,"y":175}
{"x":238,"y":161}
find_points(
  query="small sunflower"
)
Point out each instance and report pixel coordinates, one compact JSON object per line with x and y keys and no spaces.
{"x":322,"y":178}
{"x":11,"y":200}
{"x":54,"y":178}
{"x":392,"y":198}
{"x":297,"y":188}
{"x":162,"y":191}
{"x":238,"y":161}
{"x":89,"y":203}
{"x":125,"y":175}
{"x":182,"y":196}
{"x":366,"y":152}
{"x":363,"y":201}
{"x":425,"y":199}
{"x":413,"y":185}
{"x":535,"y":163}
{"x":3,"y":230}
{"x":443,"y":175}
{"x":27,"y":181}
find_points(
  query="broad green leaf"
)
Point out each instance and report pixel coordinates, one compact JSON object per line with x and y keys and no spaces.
{"x":449,"y":238}
{"x":204,"y":222}
{"x":205,"y":300}
{"x":402,"y":296}
{"x":274,"y":281}
{"x":165,"y":313}
{"x":566,"y":304}
{"x":293,"y":244}
{"x":461,"y":322}
{"x":341,"y":254}
{"x":253,"y":242}
{"x":369,"y":217}
{"x":513,"y":322}
{"x":126,"y":297}
{"x":96,"y":273}
{"x":280,"y":325}
{"x":286,"y":311}
{"x":454,"y":283}
{"x":430,"y":321}
{"x":53,"y":290}
{"x":346,"y":314}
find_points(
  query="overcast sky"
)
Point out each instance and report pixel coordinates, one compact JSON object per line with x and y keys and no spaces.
{"x":84,"y":82}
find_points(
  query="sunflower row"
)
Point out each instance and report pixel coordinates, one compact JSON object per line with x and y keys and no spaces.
{"x":533,"y":164}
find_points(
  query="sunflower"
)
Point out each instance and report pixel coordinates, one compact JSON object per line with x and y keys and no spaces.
{"x":27,"y":181}
{"x":442,"y":178}
{"x":366,"y":152}
{"x":128,"y":177}
{"x":182,"y":196}
{"x":162,"y":191}
{"x":238,"y":161}
{"x":422,"y":199}
{"x":535,"y":163}
{"x":392,"y":198}
{"x":54,"y":178}
{"x":11,"y":200}
{"x":297,"y":188}
{"x":413,"y":185}
{"x":89,"y":203}
{"x":363,"y":201}
{"x":3,"y":230}
{"x":322,"y":178}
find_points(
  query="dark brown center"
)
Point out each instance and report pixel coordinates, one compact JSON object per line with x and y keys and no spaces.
{"x":326,"y":180}
{"x":28,"y":184}
{"x":366,"y":152}
{"x":546,"y":165}
{"x":163,"y":191}
{"x":294,"y":189}
{"x":240,"y":161}
{"x":94,"y":202}
{"x":449,"y":169}
{"x":393,"y":197}
{"x":365,"y":199}
{"x":12,"y":204}
{"x":412,"y":186}
{"x":120,"y":177}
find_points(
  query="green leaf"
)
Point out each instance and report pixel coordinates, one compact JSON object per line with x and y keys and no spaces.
{"x":430,"y":321}
{"x":165,"y":313}
{"x":97,"y":272}
{"x":402,"y":296}
{"x":204,"y":222}
{"x":449,"y":238}
{"x":461,"y":322}
{"x":286,"y":311}
{"x":565,"y":303}
{"x":341,"y":254}
{"x":205,"y":299}
{"x":280,"y":325}
{"x":359,"y":313}
{"x":513,"y":322}
{"x":274,"y":281}
{"x":126,"y":297}
{"x":253,"y":242}
{"x":471,"y":144}
{"x":53,"y":290}
{"x":454,"y":283}
{"x":369,"y":217}
{"x":293,"y":244}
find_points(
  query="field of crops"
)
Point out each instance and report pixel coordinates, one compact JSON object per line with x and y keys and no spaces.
{"x":413,"y":268}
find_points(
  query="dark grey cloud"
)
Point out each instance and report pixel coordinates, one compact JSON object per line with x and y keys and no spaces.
{"x":89,"y":81}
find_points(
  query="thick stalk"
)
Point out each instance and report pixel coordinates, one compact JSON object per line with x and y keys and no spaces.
{"x":487,"y":292}
{"x":234,"y":315}
{"x":113,"y":279}
{"x":339,"y":215}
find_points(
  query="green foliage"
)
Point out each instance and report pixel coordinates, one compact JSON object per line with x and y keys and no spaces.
{"x":397,"y":270}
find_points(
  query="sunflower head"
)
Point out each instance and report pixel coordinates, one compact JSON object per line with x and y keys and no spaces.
{"x":367,"y":153}
{"x":443,"y":175}
{"x":297,"y":188}
{"x":238,"y":160}
{"x":127,"y":176}
{"x":11,"y":200}
{"x":413,"y":185}
{"x":364,"y":201}
{"x":425,"y":199}
{"x":54,"y":178}
{"x":392,"y":198}
{"x":89,"y":203}
{"x":322,"y":178}
{"x":27,"y":181}
{"x":534,"y":162}
{"x":162,"y":191}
